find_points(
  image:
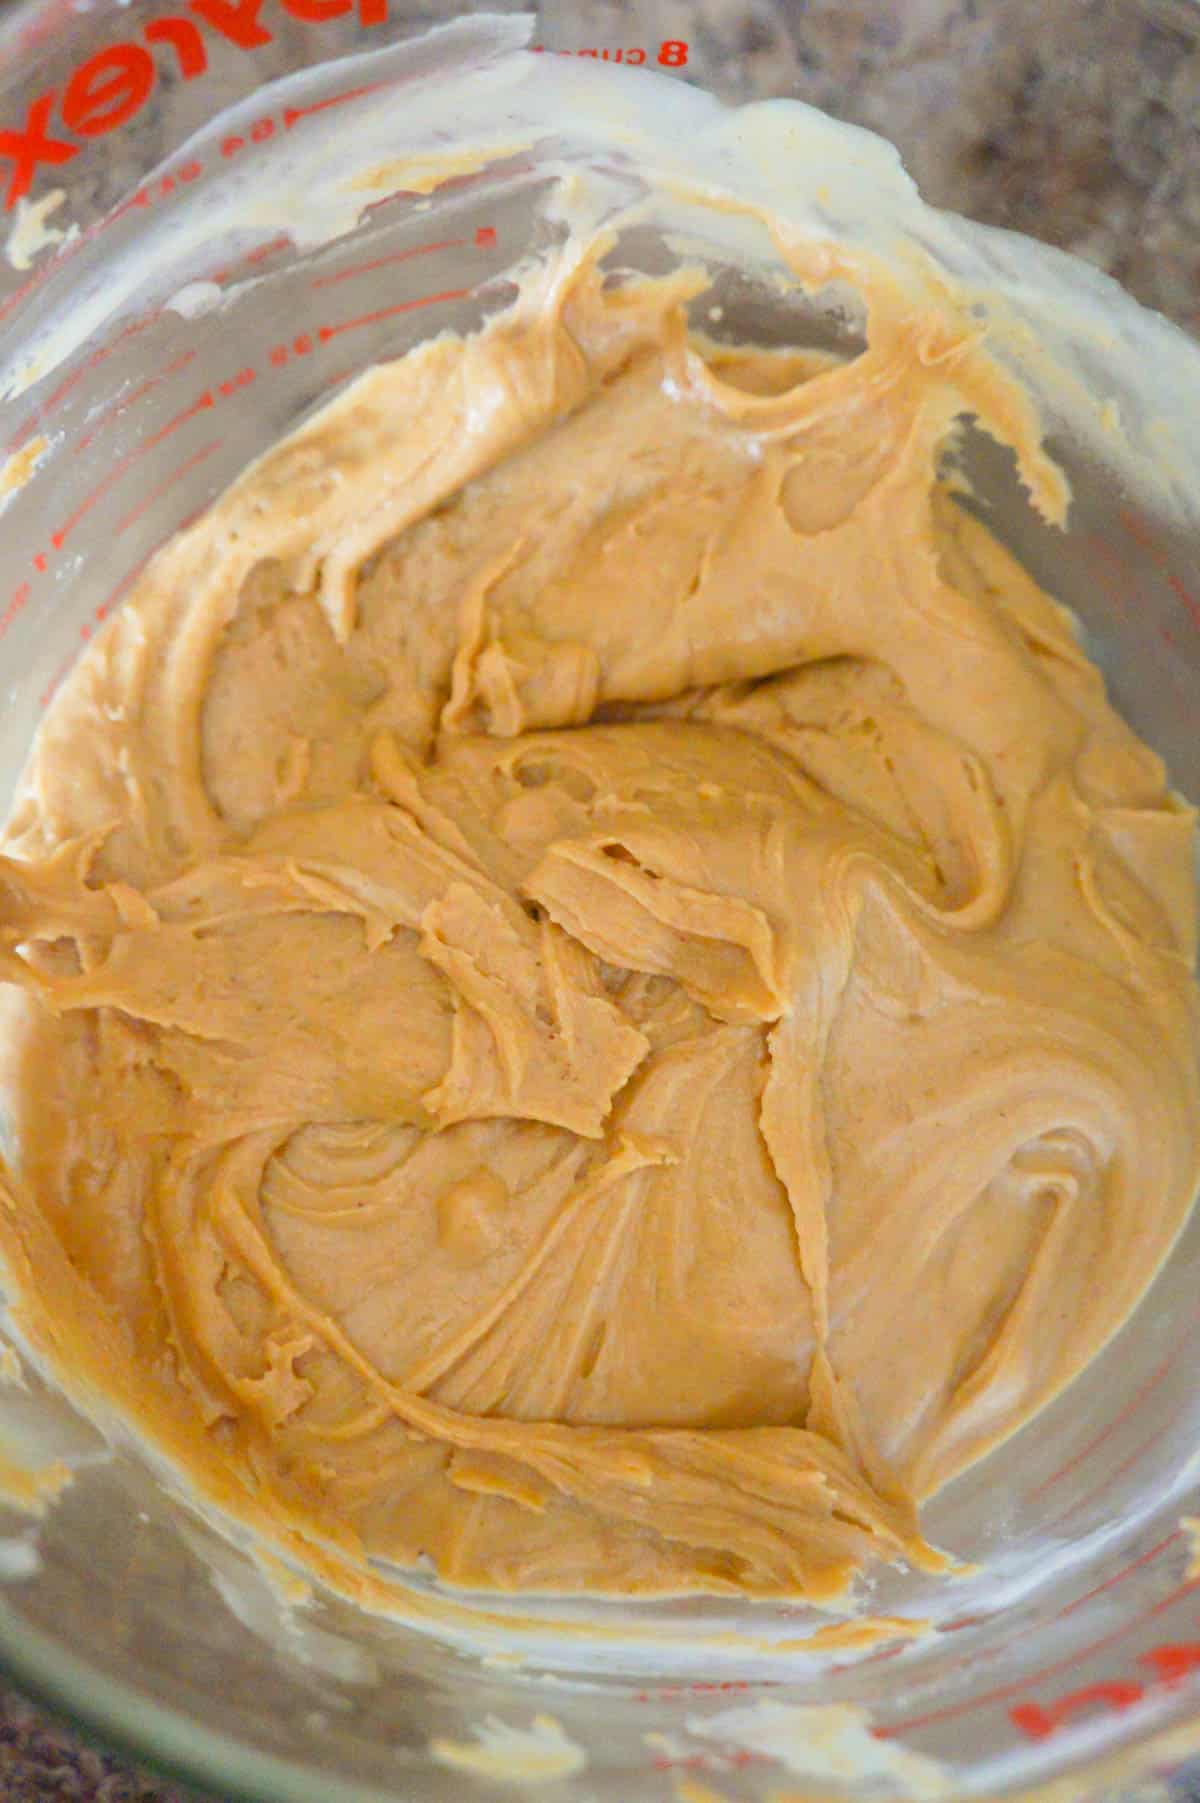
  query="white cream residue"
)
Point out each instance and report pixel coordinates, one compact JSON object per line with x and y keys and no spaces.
{"x":1105,"y":363}
{"x":32,"y":232}
{"x":1191,"y":1527}
{"x":539,"y":1754}
{"x":16,"y":470}
{"x":195,"y":299}
{"x":828,"y":1743}
{"x":675,"y":158}
{"x":19,"y":1559}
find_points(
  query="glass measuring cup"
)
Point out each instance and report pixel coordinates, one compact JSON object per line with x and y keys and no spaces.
{"x":1079,"y":1636}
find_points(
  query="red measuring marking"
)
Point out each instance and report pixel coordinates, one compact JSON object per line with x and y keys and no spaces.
{"x":168,"y":482}
{"x":396,"y":256}
{"x":162,"y":188}
{"x":264,"y":250}
{"x":992,"y":1652}
{"x":887,"y":1652}
{"x":63,"y":390}
{"x":1111,"y":1477}
{"x":293,"y":114}
{"x":671,"y":1693}
{"x":47,"y":694}
{"x":342,"y":375}
{"x":1039,"y":1723}
{"x":16,"y":607}
{"x":1118,"y":1577}
{"x":22,"y":435}
{"x":1099,"y":1438}
{"x":127,"y":581}
{"x":325,"y":333}
{"x":1170,"y":1666}
{"x":1172,"y":1663}
{"x":21,"y":293}
{"x":1013,"y":1688}
{"x":720,"y":1759}
{"x":1185,"y":595}
{"x":112,"y":86}
{"x":876,"y":1658}
{"x":1141,"y":535}
{"x":1137,"y":528}
{"x":59,"y":538}
{"x":126,"y":401}
{"x":1117,"y":574}
{"x":1139,"y":1396}
{"x":93,"y":362}
{"x":672,"y":53}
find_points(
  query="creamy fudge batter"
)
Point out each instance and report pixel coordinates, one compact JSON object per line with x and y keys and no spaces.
{"x":594,"y":992}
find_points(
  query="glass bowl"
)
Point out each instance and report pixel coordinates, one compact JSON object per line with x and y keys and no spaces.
{"x":217,"y":280}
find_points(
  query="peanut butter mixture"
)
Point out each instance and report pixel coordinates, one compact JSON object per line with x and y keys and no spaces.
{"x":594,"y":993}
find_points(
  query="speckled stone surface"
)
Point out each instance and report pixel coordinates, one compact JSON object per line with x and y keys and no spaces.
{"x":43,"y":1761}
{"x":1075,"y":120}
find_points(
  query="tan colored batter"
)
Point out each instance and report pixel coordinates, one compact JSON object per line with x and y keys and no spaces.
{"x":595,"y":991}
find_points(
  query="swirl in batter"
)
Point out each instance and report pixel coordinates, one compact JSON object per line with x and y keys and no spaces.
{"x":593,"y":989}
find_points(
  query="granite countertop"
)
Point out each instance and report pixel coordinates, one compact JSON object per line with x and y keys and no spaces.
{"x":1075,"y":120}
{"x":44,"y":1761}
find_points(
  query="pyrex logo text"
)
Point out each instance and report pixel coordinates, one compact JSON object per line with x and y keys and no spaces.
{"x":109,"y":88}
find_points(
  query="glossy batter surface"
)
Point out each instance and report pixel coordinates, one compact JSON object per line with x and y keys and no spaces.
{"x":594,"y":990}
